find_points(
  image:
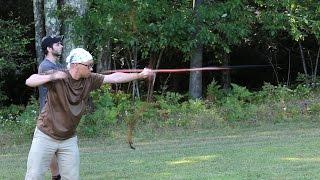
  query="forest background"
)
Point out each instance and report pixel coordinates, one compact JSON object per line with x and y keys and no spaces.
{"x":272,"y":45}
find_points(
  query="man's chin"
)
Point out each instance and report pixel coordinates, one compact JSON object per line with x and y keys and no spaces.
{"x":58,"y":55}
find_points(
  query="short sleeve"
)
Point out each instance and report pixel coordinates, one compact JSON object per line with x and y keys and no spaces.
{"x":96,"y":80}
{"x":44,"y":67}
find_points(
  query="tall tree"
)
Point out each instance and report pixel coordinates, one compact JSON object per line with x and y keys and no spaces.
{"x":52,"y":22}
{"x":46,"y":22}
{"x":39,"y":27}
{"x":298,"y":21}
{"x":49,"y":19}
{"x":195,"y":82}
{"x":226,"y":78}
{"x":76,"y":8}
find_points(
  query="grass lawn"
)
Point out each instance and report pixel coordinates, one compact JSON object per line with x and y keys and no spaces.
{"x":281,"y":151}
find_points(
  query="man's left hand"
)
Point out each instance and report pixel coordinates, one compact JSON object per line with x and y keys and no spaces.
{"x":146,"y":73}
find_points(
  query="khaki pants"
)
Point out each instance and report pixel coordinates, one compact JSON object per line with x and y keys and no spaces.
{"x":41,"y":152}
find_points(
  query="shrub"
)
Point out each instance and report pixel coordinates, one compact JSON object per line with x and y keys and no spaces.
{"x":235,"y":105}
{"x":271,"y":93}
{"x":18,"y":122}
{"x":9,"y":115}
{"x":272,"y":104}
{"x":214,"y":92}
{"x":302,"y":91}
{"x":104,"y":113}
{"x":27,"y":120}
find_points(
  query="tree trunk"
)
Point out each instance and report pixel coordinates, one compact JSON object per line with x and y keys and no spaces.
{"x":289,"y":67}
{"x":135,"y":85}
{"x":104,"y":60}
{"x":154,"y":64}
{"x":39,"y":28}
{"x":316,"y":67}
{"x":226,"y":80}
{"x":303,"y":60}
{"x":51,"y":21}
{"x":195,"y":82}
{"x":80,"y":6}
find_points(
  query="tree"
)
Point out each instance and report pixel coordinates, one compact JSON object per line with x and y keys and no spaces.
{"x":52,"y":22}
{"x":56,"y":18}
{"x":224,"y":25}
{"x":155,"y":27}
{"x":39,"y":29}
{"x":72,"y":9}
{"x":15,"y":61}
{"x":299,"y":21}
{"x":195,"y":82}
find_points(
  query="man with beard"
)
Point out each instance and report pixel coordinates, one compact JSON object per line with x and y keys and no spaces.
{"x":52,"y":48}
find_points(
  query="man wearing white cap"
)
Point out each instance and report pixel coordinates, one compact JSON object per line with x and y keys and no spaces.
{"x":52,"y":48}
{"x":57,"y":123}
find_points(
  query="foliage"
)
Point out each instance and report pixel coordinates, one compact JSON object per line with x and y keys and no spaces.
{"x":20,"y":119}
{"x":9,"y":115}
{"x":14,"y":59}
{"x":225,"y":24}
{"x":281,"y":93}
{"x":214,"y":93}
{"x":273,"y":93}
{"x":236,"y":104}
{"x":174,"y":112}
{"x":168,"y":111}
{"x":171,"y":110}
{"x":299,"y":18}
{"x":104,"y":115}
{"x":27,"y":120}
{"x":152,"y":26}
{"x":146,"y":28}
{"x":272,"y":103}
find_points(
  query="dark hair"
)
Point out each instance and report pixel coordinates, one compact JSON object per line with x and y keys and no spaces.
{"x":48,"y":41}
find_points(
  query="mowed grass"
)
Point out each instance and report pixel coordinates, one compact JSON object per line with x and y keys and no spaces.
{"x":281,"y":151}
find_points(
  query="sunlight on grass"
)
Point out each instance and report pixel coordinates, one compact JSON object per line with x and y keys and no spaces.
{"x":294,"y":159}
{"x":192,"y":160}
{"x":136,"y":161}
{"x":8,"y":155}
{"x":231,"y":136}
{"x":162,"y":174}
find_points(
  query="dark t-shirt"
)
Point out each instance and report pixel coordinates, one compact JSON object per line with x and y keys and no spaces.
{"x":46,"y":66}
{"x":66,"y":103}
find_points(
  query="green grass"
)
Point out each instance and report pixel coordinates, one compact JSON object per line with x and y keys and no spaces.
{"x":281,"y":151}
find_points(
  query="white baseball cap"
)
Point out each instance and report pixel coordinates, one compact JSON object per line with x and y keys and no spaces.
{"x":78,"y":55}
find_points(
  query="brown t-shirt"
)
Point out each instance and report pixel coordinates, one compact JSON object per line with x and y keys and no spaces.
{"x":66,"y":104}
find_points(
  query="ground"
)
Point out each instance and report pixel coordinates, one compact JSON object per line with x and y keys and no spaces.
{"x":274,"y":151}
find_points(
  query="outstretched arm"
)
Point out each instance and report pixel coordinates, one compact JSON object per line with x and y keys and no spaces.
{"x":37,"y":79}
{"x":119,"y":77}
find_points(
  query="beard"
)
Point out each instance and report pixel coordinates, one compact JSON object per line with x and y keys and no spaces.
{"x":56,"y":53}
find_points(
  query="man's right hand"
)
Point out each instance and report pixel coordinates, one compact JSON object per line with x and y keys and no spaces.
{"x":58,"y":75}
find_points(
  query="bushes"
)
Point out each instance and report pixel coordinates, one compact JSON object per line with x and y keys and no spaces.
{"x":17,"y":123}
{"x":272,"y":103}
{"x":9,"y":116}
{"x":27,"y":120}
{"x":15,"y":61}
{"x":168,"y":111}
{"x":104,"y":114}
{"x":171,"y":110}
